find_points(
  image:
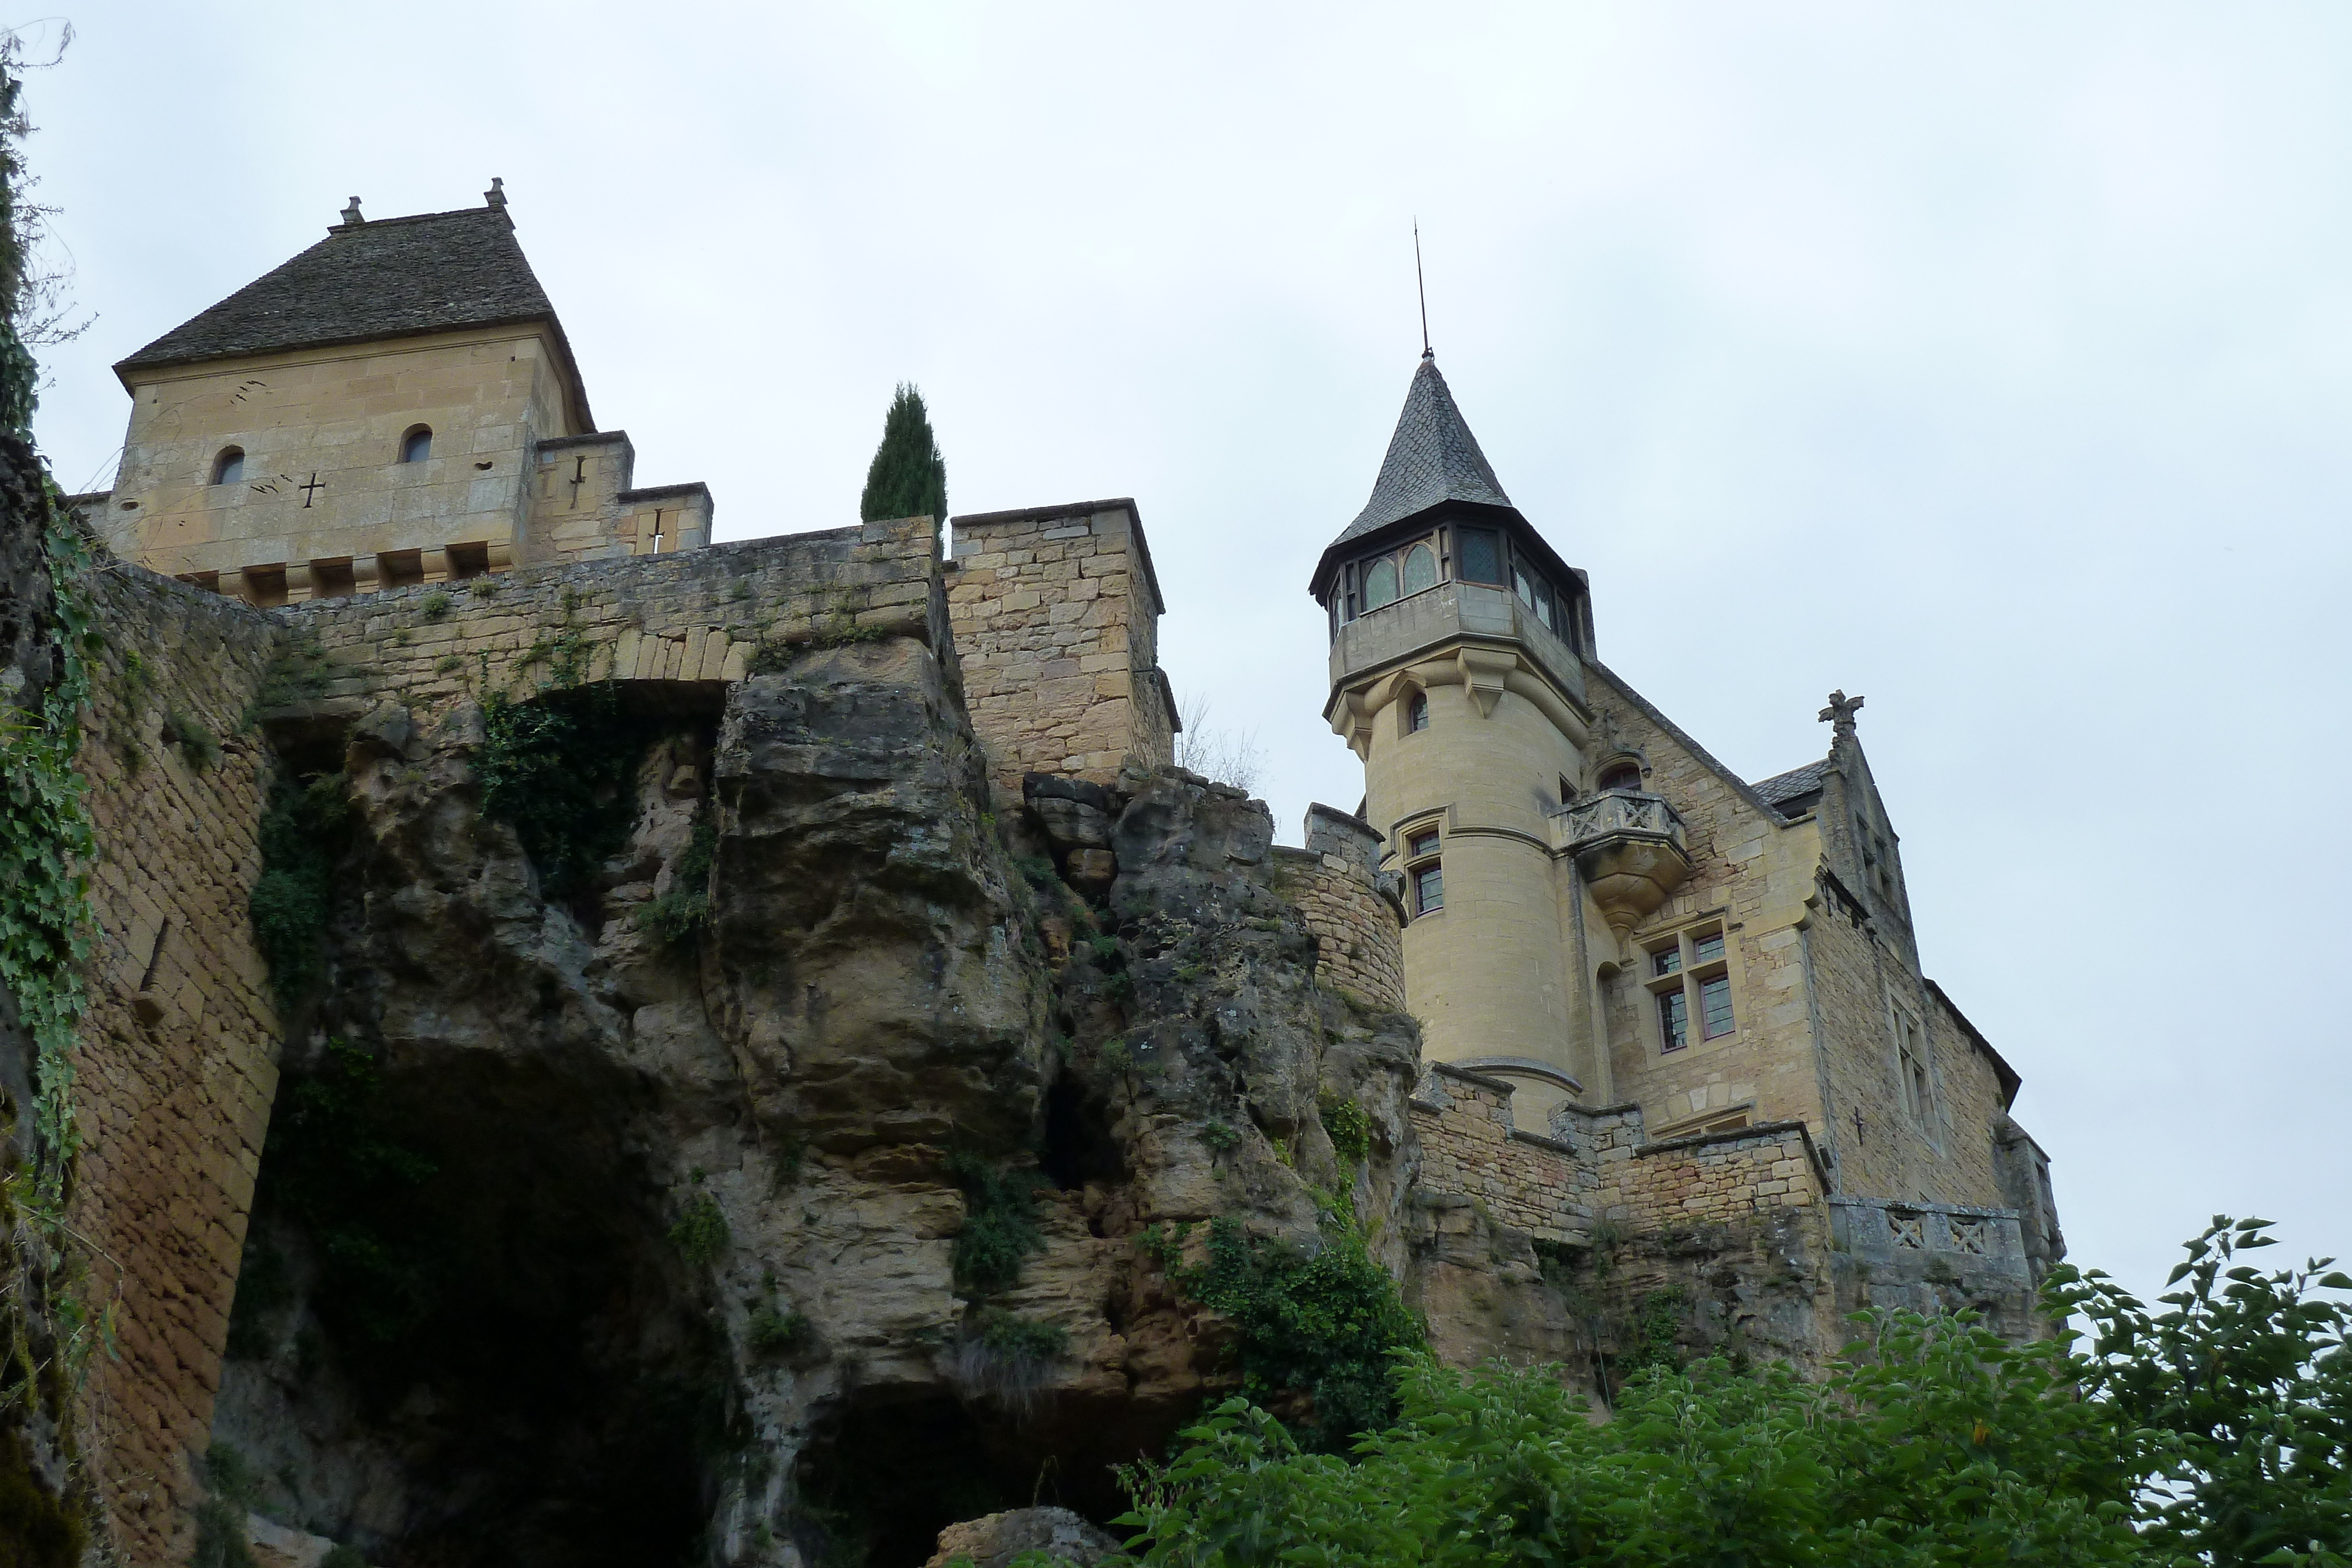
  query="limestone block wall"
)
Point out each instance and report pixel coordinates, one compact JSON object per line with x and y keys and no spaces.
{"x":177,"y":1061}
{"x":1750,"y":875}
{"x":1596,"y":1163}
{"x":1056,"y":612}
{"x":583,"y":505}
{"x":1357,"y":930}
{"x":1865,"y":997}
{"x":699,"y":616}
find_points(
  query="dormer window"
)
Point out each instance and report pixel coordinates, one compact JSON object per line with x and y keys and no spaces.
{"x":1621,"y":775}
{"x":417,"y":444}
{"x":228,"y":468}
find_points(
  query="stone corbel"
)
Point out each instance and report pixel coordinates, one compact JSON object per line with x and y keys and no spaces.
{"x":1484,"y":675}
{"x":297,"y":581}
{"x":499,"y":556}
{"x":366,"y":577}
{"x":435,"y":563}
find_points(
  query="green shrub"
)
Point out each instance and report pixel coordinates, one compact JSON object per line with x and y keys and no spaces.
{"x":1324,"y":1323}
{"x":1220,"y":1136}
{"x":700,"y":1235}
{"x":683,"y":912}
{"x":1010,"y":1334}
{"x":302,"y":838}
{"x":1000,"y":1226}
{"x":776,"y":1332}
{"x":1036,"y":871}
{"x":434,"y":607}
{"x":1351,"y":1131}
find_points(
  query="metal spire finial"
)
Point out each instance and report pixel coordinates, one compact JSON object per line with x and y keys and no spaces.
{"x":1420,"y":286}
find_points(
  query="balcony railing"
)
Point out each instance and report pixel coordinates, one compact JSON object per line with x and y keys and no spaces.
{"x":1628,"y":813}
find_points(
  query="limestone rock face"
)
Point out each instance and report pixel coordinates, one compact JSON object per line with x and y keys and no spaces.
{"x":996,"y":1538}
{"x":620,"y":1239}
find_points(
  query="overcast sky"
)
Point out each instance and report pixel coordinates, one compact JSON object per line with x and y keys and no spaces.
{"x":1994,"y":362}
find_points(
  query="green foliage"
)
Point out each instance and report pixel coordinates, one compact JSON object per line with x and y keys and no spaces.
{"x":196,"y":743}
{"x":41,"y":1531}
{"x":683,"y":912}
{"x":335,"y":1162}
{"x":44,"y":842}
{"x":231,"y":1491}
{"x":2212,"y":1434}
{"x":559,"y":768}
{"x":436,"y":607}
{"x":1319,"y":1326}
{"x":299,"y":673}
{"x":1351,"y":1131}
{"x":2246,"y":1385}
{"x":1000,"y":1224}
{"x":1650,"y":1330}
{"x":1010,"y":1335}
{"x":1220,"y":1136}
{"x":774,"y":1331}
{"x":302,"y":838}
{"x":1103,"y":944}
{"x":908,"y":478}
{"x":700,"y":1235}
{"x":1036,"y":871}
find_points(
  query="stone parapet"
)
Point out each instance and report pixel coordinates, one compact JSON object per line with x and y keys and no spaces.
{"x":1358,"y":928}
{"x":702,"y":615}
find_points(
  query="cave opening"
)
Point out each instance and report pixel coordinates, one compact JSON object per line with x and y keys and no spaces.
{"x":1078,"y":1146}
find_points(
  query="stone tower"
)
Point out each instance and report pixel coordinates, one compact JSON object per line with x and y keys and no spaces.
{"x":1459,"y":639}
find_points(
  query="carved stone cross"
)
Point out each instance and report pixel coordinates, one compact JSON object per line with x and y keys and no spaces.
{"x":1840,"y":713}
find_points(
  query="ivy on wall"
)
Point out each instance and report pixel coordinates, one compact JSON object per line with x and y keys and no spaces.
{"x":44,"y":842}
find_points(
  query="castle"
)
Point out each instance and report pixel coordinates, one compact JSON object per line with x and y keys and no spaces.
{"x":1651,"y":996}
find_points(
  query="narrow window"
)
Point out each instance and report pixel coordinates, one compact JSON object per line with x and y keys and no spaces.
{"x":1478,"y":556}
{"x":1667,"y":962}
{"x":417,"y":444}
{"x":1624,"y":776}
{"x":1544,"y":605}
{"x":1419,"y":569}
{"x":1674,"y":1020}
{"x":1526,"y":587}
{"x":1708,"y":949}
{"x":1567,"y":791}
{"x":1715,"y":1006}
{"x":1379,"y":583}
{"x":1428,"y":889}
{"x":1417,"y":711}
{"x":229,"y":466}
{"x":1423,"y":844}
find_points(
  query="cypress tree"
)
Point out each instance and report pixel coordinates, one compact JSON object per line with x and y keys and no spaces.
{"x":908,"y":478}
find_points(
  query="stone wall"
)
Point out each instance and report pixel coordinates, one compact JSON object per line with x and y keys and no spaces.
{"x":1598,"y":1164}
{"x":177,"y":1061}
{"x":1357,"y":929}
{"x":1056,"y":614}
{"x":701,"y":615}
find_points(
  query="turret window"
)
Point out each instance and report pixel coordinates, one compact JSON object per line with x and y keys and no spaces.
{"x":1425,"y":871}
{"x":417,"y":444}
{"x":1379,"y":583}
{"x":228,"y":468}
{"x":1536,"y":594}
{"x":1477,"y":556}
{"x":1419,"y":569}
{"x":1624,"y":776}
{"x":1416,"y":711}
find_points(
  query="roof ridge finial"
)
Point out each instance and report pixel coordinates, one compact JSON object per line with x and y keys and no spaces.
{"x":496,"y":196}
{"x":1840,"y":714}
{"x":352,"y":213}
{"x":1421,"y":286}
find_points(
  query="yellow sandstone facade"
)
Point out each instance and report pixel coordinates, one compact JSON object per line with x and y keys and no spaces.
{"x":1597,"y":914}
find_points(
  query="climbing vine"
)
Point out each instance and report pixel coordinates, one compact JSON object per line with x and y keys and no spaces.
{"x":45,"y":843}
{"x":557,"y":767}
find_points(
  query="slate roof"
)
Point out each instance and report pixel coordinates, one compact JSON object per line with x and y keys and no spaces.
{"x":1794,"y":785}
{"x":1432,"y":457}
{"x":393,"y":277}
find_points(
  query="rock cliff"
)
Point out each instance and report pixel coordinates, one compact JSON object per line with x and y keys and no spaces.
{"x":778,"y":1184}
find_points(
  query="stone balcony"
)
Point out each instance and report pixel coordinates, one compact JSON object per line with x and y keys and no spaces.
{"x":1631,"y":847}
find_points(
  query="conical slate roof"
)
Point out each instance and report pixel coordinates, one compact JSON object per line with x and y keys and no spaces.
{"x":1432,"y":457}
{"x":394,"y":277}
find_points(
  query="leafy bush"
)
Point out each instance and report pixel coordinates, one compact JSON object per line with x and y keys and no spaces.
{"x":434,"y":607}
{"x":774,"y":1331}
{"x":700,"y":1235}
{"x":1036,"y":871}
{"x":1317,"y":1326}
{"x":1220,"y":1136}
{"x":1351,"y":1130}
{"x":999,"y":1225}
{"x":2215,"y":1433}
{"x":196,"y":742}
{"x":302,"y":836}
{"x":1010,"y":1334}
